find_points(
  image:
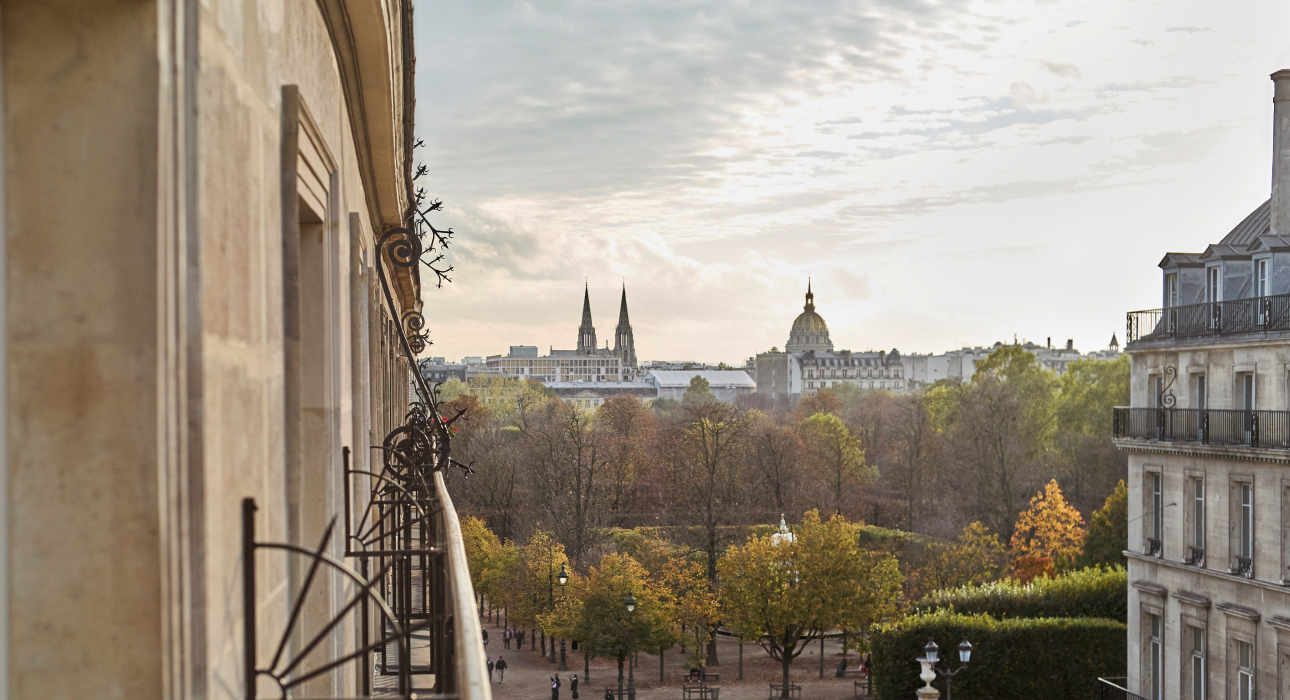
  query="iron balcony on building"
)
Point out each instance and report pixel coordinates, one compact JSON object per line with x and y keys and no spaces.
{"x":1222,"y":318}
{"x":1205,"y":426}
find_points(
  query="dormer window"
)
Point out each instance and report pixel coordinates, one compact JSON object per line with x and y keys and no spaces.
{"x":1171,"y":289}
{"x":1213,"y":285}
{"x":1262,"y":281}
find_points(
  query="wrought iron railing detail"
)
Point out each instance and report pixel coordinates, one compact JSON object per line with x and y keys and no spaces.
{"x":1195,"y":556}
{"x":1252,"y":315}
{"x":1153,"y":547}
{"x":1206,"y":426}
{"x":287,"y":669}
{"x":1243,"y":566}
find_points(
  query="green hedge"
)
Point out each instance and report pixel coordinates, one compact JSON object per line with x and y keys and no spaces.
{"x":1092,"y":592}
{"x":1054,"y":658}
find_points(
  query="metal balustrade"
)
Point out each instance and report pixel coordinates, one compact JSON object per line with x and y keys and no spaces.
{"x":1206,"y":426}
{"x":1114,"y":689}
{"x":1252,"y":315}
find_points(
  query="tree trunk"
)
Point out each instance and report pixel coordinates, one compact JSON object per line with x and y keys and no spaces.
{"x":660,"y":665}
{"x":620,"y":675}
{"x":785,"y":660}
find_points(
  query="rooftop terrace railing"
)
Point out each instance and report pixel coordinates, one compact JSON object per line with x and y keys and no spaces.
{"x":1206,"y":426}
{"x":1222,"y":318}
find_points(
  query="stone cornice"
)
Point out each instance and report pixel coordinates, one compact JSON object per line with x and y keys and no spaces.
{"x":1150,"y":587}
{"x":1187,"y":449}
{"x":1279,"y":622}
{"x":1190,"y":598}
{"x":1240,"y":611}
{"x":1215,"y":573}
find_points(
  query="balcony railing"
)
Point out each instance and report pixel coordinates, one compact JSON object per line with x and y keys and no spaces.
{"x":1114,"y":689}
{"x":1253,"y":315}
{"x":1153,"y":547}
{"x":1207,"y":426}
{"x":1243,"y":566}
{"x":1195,"y":556}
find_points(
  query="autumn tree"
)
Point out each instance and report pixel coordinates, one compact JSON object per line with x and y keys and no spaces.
{"x":625,"y":428}
{"x":683,"y":584}
{"x":835,"y":457}
{"x":1088,"y":461}
{"x":786,"y":593}
{"x":699,"y":390}
{"x":914,"y":463}
{"x":533,"y":587}
{"x":975,"y":557}
{"x":594,"y":612}
{"x":569,"y":472}
{"x":773,"y":456}
{"x":481,"y":546}
{"x":1108,"y":531}
{"x":703,"y":452}
{"x":1049,"y":536}
{"x":822,"y":401}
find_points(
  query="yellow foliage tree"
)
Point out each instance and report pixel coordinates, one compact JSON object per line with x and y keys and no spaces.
{"x":1049,"y":536}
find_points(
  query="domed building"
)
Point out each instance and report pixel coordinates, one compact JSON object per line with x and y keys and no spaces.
{"x":809,"y":331}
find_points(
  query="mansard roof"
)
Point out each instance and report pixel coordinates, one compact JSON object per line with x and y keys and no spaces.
{"x":1256,"y":224}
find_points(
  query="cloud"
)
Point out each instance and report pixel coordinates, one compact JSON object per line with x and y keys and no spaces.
{"x":1189,"y":30}
{"x":1064,"y":70}
{"x":1024,"y":94}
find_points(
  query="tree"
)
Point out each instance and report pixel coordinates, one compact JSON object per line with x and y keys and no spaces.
{"x":1089,"y":461}
{"x":1049,"y":536}
{"x":822,"y":401}
{"x":773,"y":455}
{"x":835,"y":456}
{"x":683,"y":584}
{"x":531,"y":590}
{"x":595,"y":615}
{"x":914,"y":465}
{"x":787,"y":593}
{"x":481,"y":546}
{"x":625,"y":428}
{"x":704,"y":458}
{"x":1108,"y":531}
{"x":976,"y":557}
{"x":699,"y":390}
{"x":569,"y":474}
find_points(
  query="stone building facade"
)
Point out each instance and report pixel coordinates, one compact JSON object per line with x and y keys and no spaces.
{"x":192,"y":194}
{"x":809,"y":363}
{"x":1208,"y":442}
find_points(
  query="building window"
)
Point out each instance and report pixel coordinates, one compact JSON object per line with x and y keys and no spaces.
{"x":1156,"y":658}
{"x":1285,"y":533}
{"x":1155,"y":390}
{"x":1153,"y":519}
{"x":1245,"y":670}
{"x":1196,"y":524}
{"x":1243,"y":532}
{"x":810,"y":385}
{"x":1171,"y":289}
{"x":1262,"y":284}
{"x":1213,"y":285}
{"x":1196,"y":666}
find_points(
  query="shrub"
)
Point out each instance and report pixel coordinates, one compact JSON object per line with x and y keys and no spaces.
{"x":1092,"y":592}
{"x":1053,"y":658}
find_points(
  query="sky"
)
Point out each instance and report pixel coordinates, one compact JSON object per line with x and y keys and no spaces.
{"x":945,"y":173}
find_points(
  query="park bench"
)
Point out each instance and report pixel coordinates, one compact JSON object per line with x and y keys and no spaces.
{"x":864,"y":688}
{"x":777,"y":690}
{"x":705,"y":679}
{"x":700,"y":692}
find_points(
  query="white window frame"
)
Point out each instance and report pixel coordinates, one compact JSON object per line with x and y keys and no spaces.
{"x":1213,"y":284}
{"x":1156,"y":649}
{"x":1245,"y":673}
{"x":1171,"y":289}
{"x":1262,"y":277}
{"x":1197,"y":663}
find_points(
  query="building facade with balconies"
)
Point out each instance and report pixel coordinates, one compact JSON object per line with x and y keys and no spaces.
{"x":1208,"y":441}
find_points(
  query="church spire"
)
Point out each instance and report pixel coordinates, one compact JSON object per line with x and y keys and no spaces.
{"x":810,"y":297}
{"x":624,"y":344}
{"x":587,"y":331}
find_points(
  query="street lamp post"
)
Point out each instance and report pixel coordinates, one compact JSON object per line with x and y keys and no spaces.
{"x":563,"y":578}
{"x":931,"y":655}
{"x":630,"y":603}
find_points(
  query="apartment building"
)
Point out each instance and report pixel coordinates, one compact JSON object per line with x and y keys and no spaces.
{"x":1208,"y":442}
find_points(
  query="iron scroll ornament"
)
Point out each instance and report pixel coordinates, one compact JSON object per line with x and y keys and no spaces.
{"x":1167,"y":398}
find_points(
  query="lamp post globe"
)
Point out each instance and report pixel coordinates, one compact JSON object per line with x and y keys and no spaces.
{"x":965,"y":651}
{"x":630,"y":604}
{"x":563,"y":578}
{"x":930,"y":652}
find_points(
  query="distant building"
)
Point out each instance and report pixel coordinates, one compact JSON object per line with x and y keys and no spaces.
{"x":961,"y":364}
{"x":472,"y":360}
{"x":808,"y":362}
{"x":438,"y":373}
{"x":585,"y":363}
{"x":724,"y":384}
{"x":592,"y":395}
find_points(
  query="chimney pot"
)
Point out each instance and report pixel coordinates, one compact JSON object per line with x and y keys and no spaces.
{"x":1070,"y":343}
{"x":1281,"y":153}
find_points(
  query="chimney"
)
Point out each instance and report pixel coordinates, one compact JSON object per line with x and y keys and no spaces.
{"x":1070,"y":343}
{"x":1281,"y":153}
{"x":1050,"y":342}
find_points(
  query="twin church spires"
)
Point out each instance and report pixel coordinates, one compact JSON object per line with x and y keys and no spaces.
{"x":624,"y":344}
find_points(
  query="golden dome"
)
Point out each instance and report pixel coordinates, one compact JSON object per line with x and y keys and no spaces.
{"x":809,"y":322}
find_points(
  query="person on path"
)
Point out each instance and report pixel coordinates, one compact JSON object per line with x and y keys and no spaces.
{"x":501,"y":669}
{"x":609,"y":694}
{"x":490,"y":669}
{"x":555,"y":688}
{"x":573,"y":687}
{"x":485,"y":638}
{"x":506,"y":637}
{"x":520,"y":637}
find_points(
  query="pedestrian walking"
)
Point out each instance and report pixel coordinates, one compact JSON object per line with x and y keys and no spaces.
{"x":506,"y":637}
{"x":485,"y":637}
{"x":555,"y":688}
{"x":609,"y":694}
{"x":501,"y":669}
{"x":520,"y":636}
{"x":490,"y":669}
{"x":573,"y":687}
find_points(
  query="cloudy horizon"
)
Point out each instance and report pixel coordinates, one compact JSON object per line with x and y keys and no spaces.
{"x":946,"y":173}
